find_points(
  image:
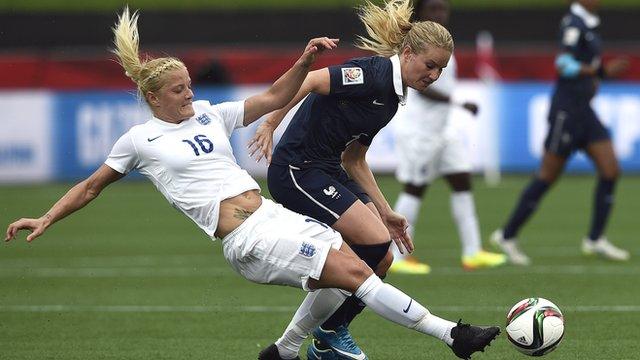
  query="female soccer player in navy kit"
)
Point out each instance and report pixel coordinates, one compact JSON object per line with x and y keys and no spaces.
{"x":573,"y":126}
{"x":184,"y":150}
{"x":319,"y":169}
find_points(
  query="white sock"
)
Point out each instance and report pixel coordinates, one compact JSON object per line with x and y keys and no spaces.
{"x":394,"y":305}
{"x":409,"y":206}
{"x":314,"y":310}
{"x":463,"y":210}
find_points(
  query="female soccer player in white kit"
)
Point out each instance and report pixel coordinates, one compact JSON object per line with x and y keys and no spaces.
{"x":184,"y":150}
{"x":426,"y":149}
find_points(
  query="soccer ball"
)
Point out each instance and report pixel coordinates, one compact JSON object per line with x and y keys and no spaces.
{"x":535,"y":326}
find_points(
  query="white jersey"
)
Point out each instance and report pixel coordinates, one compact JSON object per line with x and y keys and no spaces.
{"x":426,"y":116}
{"x":190,"y":163}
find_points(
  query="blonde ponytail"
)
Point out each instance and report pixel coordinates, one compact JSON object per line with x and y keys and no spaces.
{"x":147,"y":74}
{"x":127,"y":42}
{"x":390,"y":29}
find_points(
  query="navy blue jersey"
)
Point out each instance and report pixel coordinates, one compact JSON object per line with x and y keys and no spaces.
{"x":579,"y":38}
{"x":362,"y":100}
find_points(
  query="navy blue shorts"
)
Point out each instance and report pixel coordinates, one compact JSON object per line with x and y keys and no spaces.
{"x":314,"y":192}
{"x":572,"y":128}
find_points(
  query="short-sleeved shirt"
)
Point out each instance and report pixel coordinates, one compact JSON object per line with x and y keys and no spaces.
{"x":190,"y":163}
{"x":579,"y":37}
{"x":364,"y":96}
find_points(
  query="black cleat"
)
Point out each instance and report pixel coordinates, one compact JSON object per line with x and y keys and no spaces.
{"x":271,"y":353}
{"x":468,"y":339}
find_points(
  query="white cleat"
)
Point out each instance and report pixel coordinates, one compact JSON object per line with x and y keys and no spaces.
{"x":605,"y":249}
{"x":509,"y":248}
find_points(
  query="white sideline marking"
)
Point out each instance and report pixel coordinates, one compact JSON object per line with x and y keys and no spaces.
{"x":109,"y":261}
{"x":213,"y":271}
{"x":274,"y":309}
{"x":114,"y":272}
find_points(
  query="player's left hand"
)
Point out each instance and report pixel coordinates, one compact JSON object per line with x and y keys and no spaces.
{"x":397,"y":226}
{"x":471,"y":107}
{"x":315,"y":47}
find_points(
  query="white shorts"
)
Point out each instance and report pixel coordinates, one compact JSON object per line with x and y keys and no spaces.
{"x":278,"y":246}
{"x":421,"y":160}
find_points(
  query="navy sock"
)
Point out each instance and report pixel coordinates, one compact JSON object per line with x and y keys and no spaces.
{"x":603,"y":200}
{"x":526,"y":206}
{"x":349,"y":309}
{"x":352,"y":306}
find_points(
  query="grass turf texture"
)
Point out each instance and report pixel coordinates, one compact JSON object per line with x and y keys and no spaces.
{"x":130,"y":278}
{"x":113,"y":5}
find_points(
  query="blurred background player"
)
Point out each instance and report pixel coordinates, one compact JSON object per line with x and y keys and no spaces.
{"x":319,"y":168}
{"x":573,"y":125}
{"x":426,"y":150}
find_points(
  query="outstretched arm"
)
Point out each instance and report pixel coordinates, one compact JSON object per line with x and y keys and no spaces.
{"x":260,"y":145}
{"x":288,"y":85}
{"x":355,"y":164}
{"x":438,"y":96}
{"x":75,"y":199}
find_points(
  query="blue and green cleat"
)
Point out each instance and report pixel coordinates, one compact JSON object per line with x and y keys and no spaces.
{"x":316,"y":351}
{"x":339,"y":342}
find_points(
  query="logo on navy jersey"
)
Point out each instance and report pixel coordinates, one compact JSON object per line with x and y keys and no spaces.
{"x":376,"y":102}
{"x":203,"y":119}
{"x":307,"y":249}
{"x":331,"y":191}
{"x":352,"y":76}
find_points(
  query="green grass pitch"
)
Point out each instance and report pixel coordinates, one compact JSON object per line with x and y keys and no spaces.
{"x":130,"y":278}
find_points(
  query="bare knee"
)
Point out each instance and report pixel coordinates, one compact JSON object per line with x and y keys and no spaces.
{"x":384,"y":264}
{"x":358,"y":271}
{"x":611,"y":173}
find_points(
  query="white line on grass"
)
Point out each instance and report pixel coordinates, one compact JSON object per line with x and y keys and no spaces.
{"x":114,"y":272}
{"x":273,"y":309}
{"x":214,"y":271}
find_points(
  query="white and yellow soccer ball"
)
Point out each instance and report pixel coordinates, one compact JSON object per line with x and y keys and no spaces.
{"x":535,"y":326}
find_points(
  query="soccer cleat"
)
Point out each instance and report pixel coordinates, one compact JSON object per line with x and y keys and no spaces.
{"x":409,"y":265}
{"x":316,"y":351}
{"x":605,"y":249}
{"x":271,"y":353}
{"x":509,"y":248}
{"x":468,"y":339}
{"x":483,"y":259}
{"x":340,"y":341}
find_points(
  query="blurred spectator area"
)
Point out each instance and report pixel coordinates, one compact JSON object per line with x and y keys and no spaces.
{"x":244,"y":66}
{"x":68,"y":50}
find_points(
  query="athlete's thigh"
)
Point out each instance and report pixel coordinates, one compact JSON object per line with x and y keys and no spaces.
{"x":604,"y":158}
{"x":310,"y":191}
{"x":551,"y":166}
{"x":360,"y":226}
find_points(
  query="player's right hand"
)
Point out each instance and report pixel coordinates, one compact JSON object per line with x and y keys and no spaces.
{"x":471,"y":107}
{"x":260,"y":146}
{"x":36,"y":226}
{"x":315,"y":47}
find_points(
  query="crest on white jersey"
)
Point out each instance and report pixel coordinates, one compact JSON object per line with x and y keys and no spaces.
{"x":307,"y":249}
{"x":203,"y":119}
{"x":352,"y":76}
